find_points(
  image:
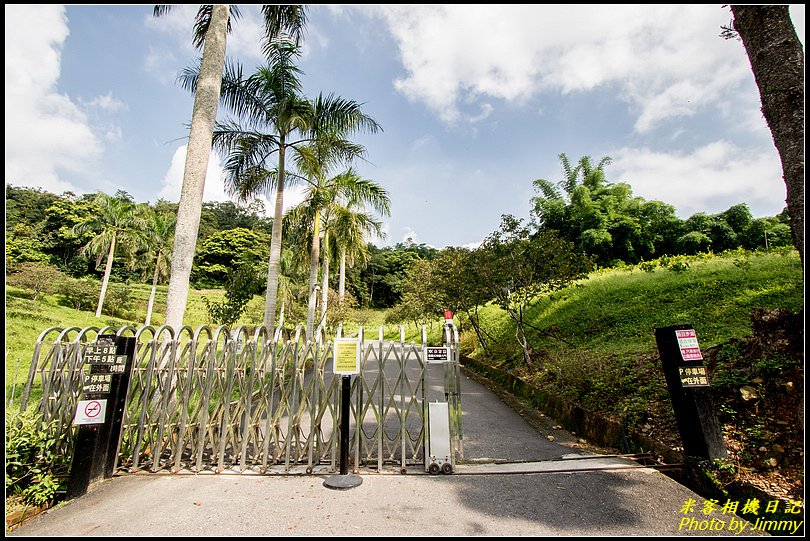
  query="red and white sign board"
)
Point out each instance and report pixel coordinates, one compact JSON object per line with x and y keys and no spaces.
{"x":687,"y":342}
{"x":90,"y":412}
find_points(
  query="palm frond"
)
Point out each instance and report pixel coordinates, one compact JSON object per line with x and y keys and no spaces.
{"x":203,"y":20}
{"x":283,"y":21}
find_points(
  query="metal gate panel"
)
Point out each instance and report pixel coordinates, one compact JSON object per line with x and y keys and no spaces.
{"x":218,"y":400}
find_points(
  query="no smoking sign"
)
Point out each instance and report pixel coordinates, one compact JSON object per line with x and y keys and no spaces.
{"x":90,"y":412}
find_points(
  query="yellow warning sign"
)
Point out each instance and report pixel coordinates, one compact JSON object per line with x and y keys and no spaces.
{"x":347,"y":356}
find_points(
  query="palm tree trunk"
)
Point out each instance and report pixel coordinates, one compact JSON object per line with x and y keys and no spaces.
{"x":198,"y":152}
{"x":342,"y":278}
{"x":106,"y":279}
{"x":325,"y":278}
{"x":314,"y":258}
{"x":275,"y":247}
{"x":151,"y":303}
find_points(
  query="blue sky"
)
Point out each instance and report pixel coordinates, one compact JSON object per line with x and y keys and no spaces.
{"x":475,"y":102}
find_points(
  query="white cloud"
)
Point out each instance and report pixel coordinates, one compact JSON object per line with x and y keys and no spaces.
{"x":293,"y":195}
{"x":709,"y":179}
{"x":409,"y":235}
{"x":173,"y":180}
{"x":101,"y":110}
{"x":215,"y":184}
{"x":472,"y":245}
{"x":178,"y":20}
{"x":245,"y":40}
{"x":162,"y":64}
{"x":664,"y":60}
{"x":45,"y":131}
{"x":107,"y":103}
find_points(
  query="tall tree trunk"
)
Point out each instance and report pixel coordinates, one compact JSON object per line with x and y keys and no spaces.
{"x":342,"y":278}
{"x":314,"y":260}
{"x":198,"y":152}
{"x":106,"y":280}
{"x":777,"y":60}
{"x":520,"y":333}
{"x":475,"y":322}
{"x":151,"y":302}
{"x":275,"y":247}
{"x":325,"y":277}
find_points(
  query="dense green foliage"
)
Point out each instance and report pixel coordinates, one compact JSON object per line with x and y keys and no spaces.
{"x":600,"y":218}
{"x":42,"y":228}
{"x":380,"y":283}
{"x":224,"y":251}
{"x":604,"y":220}
{"x":34,"y":467}
{"x":242,"y":284}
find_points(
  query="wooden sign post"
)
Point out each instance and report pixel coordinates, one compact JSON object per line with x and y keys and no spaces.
{"x":99,"y":413}
{"x":689,"y":389}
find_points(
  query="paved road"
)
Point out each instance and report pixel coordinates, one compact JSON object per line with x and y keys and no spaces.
{"x":483,"y":497}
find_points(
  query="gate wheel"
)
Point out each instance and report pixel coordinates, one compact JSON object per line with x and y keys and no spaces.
{"x":433,"y":469}
{"x":447,"y":468}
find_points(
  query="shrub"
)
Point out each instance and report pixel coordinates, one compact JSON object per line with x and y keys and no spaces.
{"x":35,"y":278}
{"x":78,"y":293}
{"x":22,"y":245}
{"x":35,"y":468}
{"x":119,"y":301}
{"x":467,"y":342}
{"x":648,"y":266}
{"x":243,"y":282}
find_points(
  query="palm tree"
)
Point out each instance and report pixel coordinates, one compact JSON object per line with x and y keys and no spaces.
{"x":591,"y":176}
{"x":352,"y":192}
{"x":210,"y":31}
{"x":351,"y":226}
{"x":155,"y":241}
{"x":272,"y":109}
{"x":326,"y":207}
{"x":113,"y":225}
{"x":327,"y":148}
{"x":270,"y":98}
{"x":203,"y":117}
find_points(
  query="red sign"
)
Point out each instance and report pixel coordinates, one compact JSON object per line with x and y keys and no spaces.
{"x":90,"y":412}
{"x":92,"y":409}
{"x":687,"y":342}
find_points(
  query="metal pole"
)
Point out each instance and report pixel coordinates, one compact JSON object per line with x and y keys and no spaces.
{"x":345,"y":394}
{"x":345,"y":479}
{"x":14,"y":385}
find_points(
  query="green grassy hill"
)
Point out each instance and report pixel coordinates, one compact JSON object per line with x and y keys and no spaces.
{"x":614,"y":312}
{"x":589,"y":339}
